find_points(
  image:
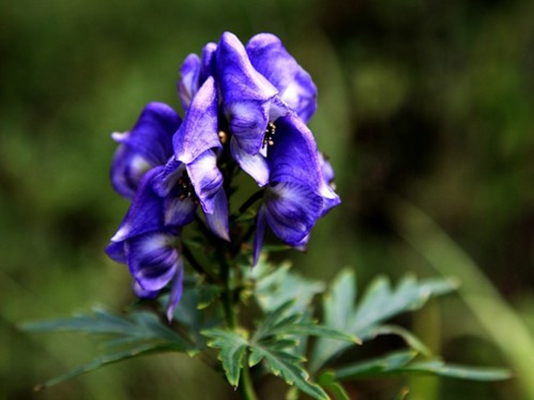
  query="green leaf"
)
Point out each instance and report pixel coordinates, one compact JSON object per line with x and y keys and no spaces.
{"x":188,"y":314}
{"x":139,"y":326}
{"x":439,"y":368}
{"x":127,"y":337}
{"x":99,"y":321}
{"x":375,"y":367}
{"x":282,"y":323}
{"x":275,"y":319}
{"x":339,"y":302}
{"x":411,"y":340}
{"x":102,"y":361}
{"x":328,"y":381}
{"x":379,"y":303}
{"x":288,"y":366}
{"x":277,"y":286}
{"x":401,"y":363}
{"x":312,"y":329}
{"x":232,"y":352}
{"x":207,"y":294}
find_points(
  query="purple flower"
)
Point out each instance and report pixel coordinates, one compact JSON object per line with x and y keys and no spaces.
{"x":258,"y":85}
{"x":260,"y":98}
{"x":193,"y":74}
{"x":297,"y":193}
{"x":149,"y":246}
{"x":192,"y":177}
{"x":249,"y":100}
{"x":146,"y":145}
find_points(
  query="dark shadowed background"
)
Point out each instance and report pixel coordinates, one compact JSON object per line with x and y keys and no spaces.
{"x":425,"y":110}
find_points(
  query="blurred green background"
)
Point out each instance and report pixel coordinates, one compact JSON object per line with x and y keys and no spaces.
{"x":425,"y":109}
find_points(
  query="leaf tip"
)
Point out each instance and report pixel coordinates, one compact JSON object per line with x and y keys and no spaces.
{"x":356,"y":340}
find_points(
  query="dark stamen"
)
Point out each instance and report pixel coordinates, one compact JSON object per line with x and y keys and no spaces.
{"x":269,"y":134}
{"x":186,"y":189}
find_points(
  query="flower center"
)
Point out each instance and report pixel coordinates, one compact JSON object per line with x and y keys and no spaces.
{"x":268,"y":137}
{"x":186,"y":189}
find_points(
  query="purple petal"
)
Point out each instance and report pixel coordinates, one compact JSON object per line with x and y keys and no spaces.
{"x":152,"y":134}
{"x":327,"y":173}
{"x":147,"y":145}
{"x":199,"y":131}
{"x":152,"y":259}
{"x":218,"y":220}
{"x":248,"y":121}
{"x":145,"y":213}
{"x":293,"y":156}
{"x":176,"y":290}
{"x":270,"y":58}
{"x":326,"y":169}
{"x":291,"y":210}
{"x":259,"y":234}
{"x":166,"y":180}
{"x":329,"y":204}
{"x":246,"y":94}
{"x":142,"y":293}
{"x":189,"y":79}
{"x":115,"y":251}
{"x":206,"y":179}
{"x":302,"y":244}
{"x":179,"y":212}
{"x":208,"y":55}
{"x":127,"y":169}
{"x":254,"y":165}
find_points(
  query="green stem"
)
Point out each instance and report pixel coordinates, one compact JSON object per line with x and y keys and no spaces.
{"x":247,"y":204}
{"x":247,"y":387}
{"x":246,"y":384}
{"x":196,"y":265}
{"x":229,"y":311}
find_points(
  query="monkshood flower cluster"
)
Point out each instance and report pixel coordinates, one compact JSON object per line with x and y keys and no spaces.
{"x":246,"y":108}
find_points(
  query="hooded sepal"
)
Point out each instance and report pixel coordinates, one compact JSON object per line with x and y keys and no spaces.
{"x":246,"y":94}
{"x":296,"y":88}
{"x":199,"y":131}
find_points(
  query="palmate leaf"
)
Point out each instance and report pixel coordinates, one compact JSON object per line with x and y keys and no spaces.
{"x":140,"y":333}
{"x":233,"y":351}
{"x":275,"y":339}
{"x":282,"y":322}
{"x":401,"y":363}
{"x":139,"y":326}
{"x":288,"y":366}
{"x":277,"y":286}
{"x":327,"y":380}
{"x":232,"y":348}
{"x":379,"y":303}
{"x":273,"y":342}
{"x":195,"y":311}
{"x":375,"y":367}
{"x":103,"y":360}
